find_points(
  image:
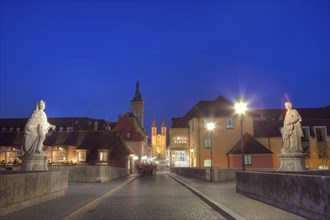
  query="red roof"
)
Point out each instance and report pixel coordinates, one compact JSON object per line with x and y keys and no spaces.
{"x":125,"y":125}
{"x":250,"y":146}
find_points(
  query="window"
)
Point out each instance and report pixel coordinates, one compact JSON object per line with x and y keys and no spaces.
{"x":81,"y":156}
{"x":103,"y":156}
{"x":247,"y":160}
{"x":230,"y":123}
{"x":180,"y":156}
{"x":306,"y":133}
{"x":206,"y":121}
{"x":207,"y":163}
{"x":207,"y":143}
{"x":320,"y":133}
{"x":128,"y":134}
{"x":305,"y":141}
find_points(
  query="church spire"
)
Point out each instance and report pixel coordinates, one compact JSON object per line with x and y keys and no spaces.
{"x":163,"y":123}
{"x":154,"y":123}
{"x":138,"y":96}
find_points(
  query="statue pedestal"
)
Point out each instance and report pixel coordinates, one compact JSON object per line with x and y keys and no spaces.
{"x":35,"y":162}
{"x":292,"y":162}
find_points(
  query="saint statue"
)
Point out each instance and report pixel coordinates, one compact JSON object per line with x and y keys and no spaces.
{"x":35,"y":130}
{"x":291,"y":131}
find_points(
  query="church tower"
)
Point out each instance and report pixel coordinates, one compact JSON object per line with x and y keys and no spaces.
{"x":154,"y":138}
{"x":137,"y":105}
{"x":158,"y":141}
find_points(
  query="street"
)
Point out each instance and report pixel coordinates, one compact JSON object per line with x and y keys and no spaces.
{"x":152,"y":197}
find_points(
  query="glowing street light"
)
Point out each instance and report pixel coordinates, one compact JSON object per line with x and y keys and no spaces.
{"x":241,"y":108}
{"x":210,"y":128}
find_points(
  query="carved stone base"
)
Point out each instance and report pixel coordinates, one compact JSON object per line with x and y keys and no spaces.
{"x":34,"y":162}
{"x":292,"y":162}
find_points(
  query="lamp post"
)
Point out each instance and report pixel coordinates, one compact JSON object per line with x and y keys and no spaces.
{"x":210,"y":128}
{"x":240,"y":107}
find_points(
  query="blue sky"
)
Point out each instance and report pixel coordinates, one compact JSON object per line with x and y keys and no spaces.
{"x":84,"y":57}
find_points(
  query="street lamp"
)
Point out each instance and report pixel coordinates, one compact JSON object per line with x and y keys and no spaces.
{"x":210,"y":128}
{"x":240,"y":108}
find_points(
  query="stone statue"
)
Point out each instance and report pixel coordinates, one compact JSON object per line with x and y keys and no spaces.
{"x":291,"y":131}
{"x":35,"y":130}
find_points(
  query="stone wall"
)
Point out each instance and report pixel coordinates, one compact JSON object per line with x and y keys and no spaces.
{"x":219,"y":175}
{"x":191,"y":172}
{"x":304,"y":193}
{"x":19,"y":190}
{"x":91,"y":174}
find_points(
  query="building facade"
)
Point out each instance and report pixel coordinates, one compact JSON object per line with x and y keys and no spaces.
{"x":85,"y":140}
{"x":193,"y":145}
{"x":159,"y":141}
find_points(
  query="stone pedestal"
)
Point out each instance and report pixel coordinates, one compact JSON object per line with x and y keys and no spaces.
{"x":35,"y":162}
{"x":292,"y":162}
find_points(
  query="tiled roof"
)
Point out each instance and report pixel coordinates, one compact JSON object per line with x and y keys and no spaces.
{"x":77,"y":123}
{"x":250,"y":145}
{"x":192,"y":113}
{"x":220,"y":107}
{"x":124,"y":125}
{"x":11,"y":138}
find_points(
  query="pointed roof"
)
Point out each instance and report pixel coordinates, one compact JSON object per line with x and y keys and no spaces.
{"x":124,"y":125}
{"x":220,"y":107}
{"x":250,"y":145}
{"x":138,"y":95}
{"x":163,"y":123}
{"x":154,"y":123}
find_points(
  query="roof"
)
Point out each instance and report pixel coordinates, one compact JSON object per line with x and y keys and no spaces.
{"x":138,"y":95}
{"x":192,"y":113}
{"x":80,"y":139}
{"x":125,"y":125}
{"x":220,"y":107}
{"x":250,"y":146}
{"x":76,"y":123}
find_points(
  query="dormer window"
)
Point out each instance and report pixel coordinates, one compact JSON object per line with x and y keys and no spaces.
{"x":306,"y":133}
{"x":320,"y":133}
{"x":128,"y":134}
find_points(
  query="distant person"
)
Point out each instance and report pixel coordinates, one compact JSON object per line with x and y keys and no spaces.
{"x":15,"y":163}
{"x":291,"y":131}
{"x":35,"y":130}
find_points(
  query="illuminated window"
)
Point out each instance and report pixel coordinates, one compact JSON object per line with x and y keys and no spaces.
{"x":207,"y":143}
{"x":81,"y":156}
{"x":206,"y":121}
{"x":180,"y":156}
{"x":103,"y":156}
{"x":207,"y":163}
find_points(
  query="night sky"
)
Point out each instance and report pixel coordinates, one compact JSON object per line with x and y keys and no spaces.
{"x":84,"y":57}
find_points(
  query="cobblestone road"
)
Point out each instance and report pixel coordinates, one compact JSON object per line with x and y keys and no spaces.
{"x":156,"y":197}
